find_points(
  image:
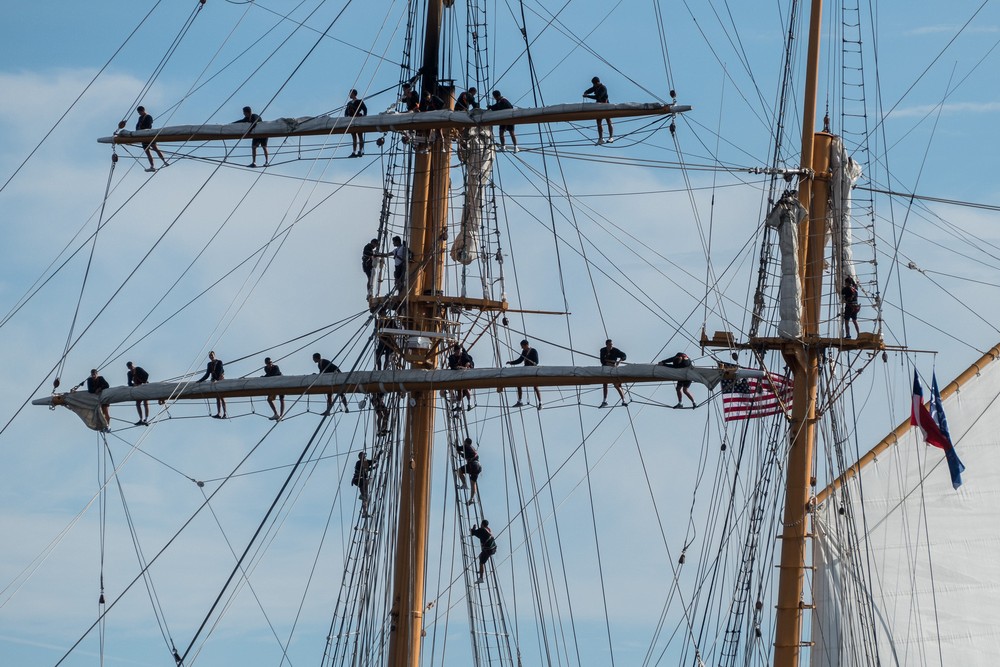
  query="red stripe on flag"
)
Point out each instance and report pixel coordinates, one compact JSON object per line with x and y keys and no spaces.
{"x":755,"y":398}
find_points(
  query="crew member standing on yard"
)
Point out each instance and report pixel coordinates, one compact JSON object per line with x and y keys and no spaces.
{"x":489,"y":546}
{"x":458,"y":360}
{"x":138,"y":376}
{"x":401,"y":257}
{"x":599,"y":93}
{"x":368,"y":254}
{"x":467,"y":100}
{"x":431,"y":102}
{"x":849,"y":293}
{"x":271,"y":370}
{"x":410,"y":98}
{"x":356,"y":109}
{"x":216,"y":371}
{"x":529,"y":357}
{"x":250,"y":117}
{"x":95,"y":385}
{"x":362,"y":470}
{"x":611,"y":356}
{"x":681,"y":360}
{"x":500,"y":103}
{"x":472,"y":466}
{"x":326,"y":366}
{"x":145,"y":122}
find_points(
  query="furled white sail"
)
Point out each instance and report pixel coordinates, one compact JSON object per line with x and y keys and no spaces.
{"x":402,"y":380}
{"x":785,"y":218}
{"x":475,"y":149}
{"x":918,"y":581}
{"x":846,"y":173}
{"x":393,"y":122}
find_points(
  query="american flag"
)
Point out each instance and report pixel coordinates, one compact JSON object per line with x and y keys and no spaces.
{"x":749,"y":398}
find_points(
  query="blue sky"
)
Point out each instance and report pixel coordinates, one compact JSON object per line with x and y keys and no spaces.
{"x":937,"y":78}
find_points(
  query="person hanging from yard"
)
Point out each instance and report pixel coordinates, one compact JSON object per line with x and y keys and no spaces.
{"x":95,"y":385}
{"x":145,"y":122}
{"x":460,"y":360}
{"x":136,"y":377}
{"x":216,"y":371}
{"x":599,"y":93}
{"x":326,"y":366}
{"x":612,"y":356}
{"x":356,"y":108}
{"x":488,"y":544}
{"x":255,"y":142}
{"x":368,"y":254}
{"x":271,"y":370}
{"x":681,"y":360}
{"x":529,"y":357}
{"x":500,"y":103}
{"x":472,"y":466}
{"x":849,"y":294}
{"x":362,"y":470}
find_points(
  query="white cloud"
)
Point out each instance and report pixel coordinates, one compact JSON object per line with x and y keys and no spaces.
{"x":948,"y":108}
{"x":952,"y":28}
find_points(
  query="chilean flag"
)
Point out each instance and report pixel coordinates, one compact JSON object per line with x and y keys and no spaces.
{"x":934,"y":425}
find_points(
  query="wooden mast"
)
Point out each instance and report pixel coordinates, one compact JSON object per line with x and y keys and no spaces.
{"x":425,"y":228}
{"x":803,"y":360}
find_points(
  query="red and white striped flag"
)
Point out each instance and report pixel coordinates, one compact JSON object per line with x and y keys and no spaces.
{"x":749,"y":398}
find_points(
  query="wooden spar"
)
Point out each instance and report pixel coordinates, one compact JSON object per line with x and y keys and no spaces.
{"x":367,"y":382}
{"x":425,"y":225}
{"x":893,"y":438}
{"x":804,"y":362}
{"x":394,"y":122}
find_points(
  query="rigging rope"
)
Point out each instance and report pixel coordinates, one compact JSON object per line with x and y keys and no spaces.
{"x":60,"y":366}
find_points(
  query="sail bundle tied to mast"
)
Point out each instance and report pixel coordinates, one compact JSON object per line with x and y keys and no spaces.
{"x":785,"y":217}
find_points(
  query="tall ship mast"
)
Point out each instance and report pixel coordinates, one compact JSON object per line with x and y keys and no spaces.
{"x":546,"y":422}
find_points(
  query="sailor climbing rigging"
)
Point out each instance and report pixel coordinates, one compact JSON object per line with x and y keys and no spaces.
{"x":488,"y":544}
{"x":472,"y":466}
{"x":362,"y":469}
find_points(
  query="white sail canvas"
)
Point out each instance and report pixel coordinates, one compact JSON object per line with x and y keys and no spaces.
{"x":921,"y":578}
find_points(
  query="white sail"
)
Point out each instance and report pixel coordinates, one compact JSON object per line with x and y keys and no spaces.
{"x":917,"y":582}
